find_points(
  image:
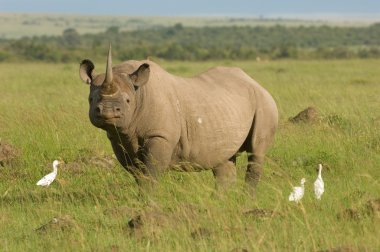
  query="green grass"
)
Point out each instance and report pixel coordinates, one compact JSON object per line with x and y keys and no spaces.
{"x":44,"y":114}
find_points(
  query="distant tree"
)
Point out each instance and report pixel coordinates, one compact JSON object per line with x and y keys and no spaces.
{"x":178,"y":26}
{"x":178,"y":42}
{"x":113,"y":30}
{"x":71,"y":38}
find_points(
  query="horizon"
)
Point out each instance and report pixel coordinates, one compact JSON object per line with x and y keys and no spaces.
{"x":297,"y":9}
{"x":365,"y":17}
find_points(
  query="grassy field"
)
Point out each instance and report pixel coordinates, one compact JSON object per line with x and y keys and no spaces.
{"x":17,"y":25}
{"x":97,"y":205}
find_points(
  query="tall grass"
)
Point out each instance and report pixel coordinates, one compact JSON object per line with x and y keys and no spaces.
{"x":44,"y":114}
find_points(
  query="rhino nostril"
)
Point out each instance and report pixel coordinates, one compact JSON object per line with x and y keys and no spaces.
{"x":117,"y":111}
{"x":98,"y":110}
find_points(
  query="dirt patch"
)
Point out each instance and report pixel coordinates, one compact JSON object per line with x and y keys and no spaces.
{"x":76,"y":167}
{"x":261,"y":213}
{"x":308,"y":115}
{"x":8,"y":154}
{"x":151,"y":222}
{"x":370,"y":209}
{"x":240,"y":250}
{"x":152,"y":218}
{"x":373,"y":208}
{"x":72,"y":168}
{"x":200,"y":233}
{"x":136,"y":222}
{"x":349,"y":214}
{"x":62,"y":223}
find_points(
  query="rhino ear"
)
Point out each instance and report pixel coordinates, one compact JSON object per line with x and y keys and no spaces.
{"x":141,"y":76}
{"x":86,"y":71}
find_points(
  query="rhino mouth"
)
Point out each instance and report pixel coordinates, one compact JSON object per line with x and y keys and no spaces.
{"x":101,"y":121}
{"x":111,"y":120}
{"x":108,"y":119}
{"x":109,"y":114}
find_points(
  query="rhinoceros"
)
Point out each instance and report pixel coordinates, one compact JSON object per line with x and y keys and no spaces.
{"x":157,"y":121}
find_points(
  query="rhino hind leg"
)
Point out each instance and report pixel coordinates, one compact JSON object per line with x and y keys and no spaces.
{"x":256,"y":144}
{"x":225,"y":175}
{"x":254,"y":170}
{"x":254,"y":167}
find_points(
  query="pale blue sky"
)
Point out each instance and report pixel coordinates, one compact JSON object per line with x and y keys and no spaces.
{"x":195,"y":7}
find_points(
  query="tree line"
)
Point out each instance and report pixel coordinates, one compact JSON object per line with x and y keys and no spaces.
{"x":207,"y":43}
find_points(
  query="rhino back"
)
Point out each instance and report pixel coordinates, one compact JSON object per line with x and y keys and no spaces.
{"x":217,"y":110}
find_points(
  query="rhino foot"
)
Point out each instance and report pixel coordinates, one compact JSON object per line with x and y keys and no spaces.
{"x":225,"y":175}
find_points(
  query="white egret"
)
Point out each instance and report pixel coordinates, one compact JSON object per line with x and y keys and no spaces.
{"x":319,"y":185}
{"x":48,"y":179}
{"x":298,"y":192}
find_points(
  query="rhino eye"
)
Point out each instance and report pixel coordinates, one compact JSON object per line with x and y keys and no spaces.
{"x":126,"y":98}
{"x":90,"y":100}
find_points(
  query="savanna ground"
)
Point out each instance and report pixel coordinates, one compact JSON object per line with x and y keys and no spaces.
{"x":96,"y":205}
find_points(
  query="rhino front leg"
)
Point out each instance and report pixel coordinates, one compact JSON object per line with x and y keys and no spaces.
{"x":156,"y":156}
{"x":125,"y":156}
{"x":225,"y":175}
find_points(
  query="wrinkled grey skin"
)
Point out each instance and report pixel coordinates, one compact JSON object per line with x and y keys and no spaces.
{"x":157,"y":121}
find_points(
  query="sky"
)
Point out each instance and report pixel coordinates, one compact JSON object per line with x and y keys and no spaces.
{"x":196,"y":7}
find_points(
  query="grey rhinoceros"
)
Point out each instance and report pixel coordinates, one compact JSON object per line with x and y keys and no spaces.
{"x":158,"y":121}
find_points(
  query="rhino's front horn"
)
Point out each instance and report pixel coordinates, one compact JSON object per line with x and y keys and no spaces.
{"x":109,"y":75}
{"x":108,"y":87}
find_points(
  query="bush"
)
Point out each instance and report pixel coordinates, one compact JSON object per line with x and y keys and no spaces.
{"x":206,"y":43}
